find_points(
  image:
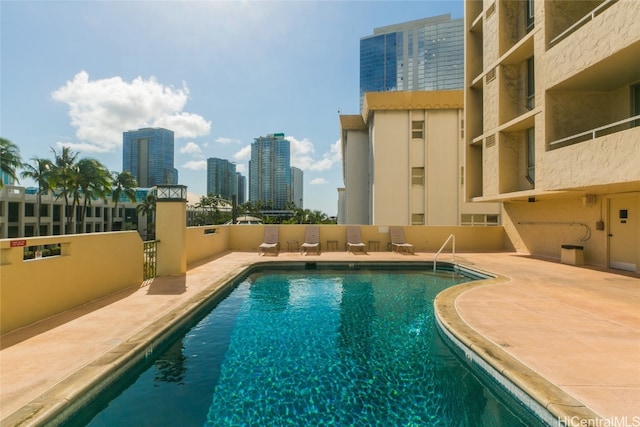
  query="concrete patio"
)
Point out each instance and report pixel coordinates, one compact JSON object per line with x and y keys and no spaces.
{"x":575,"y":328}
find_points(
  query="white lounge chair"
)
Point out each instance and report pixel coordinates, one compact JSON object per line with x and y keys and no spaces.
{"x":311,"y":240}
{"x":354,"y":239}
{"x":270,"y":240}
{"x":398,"y":242}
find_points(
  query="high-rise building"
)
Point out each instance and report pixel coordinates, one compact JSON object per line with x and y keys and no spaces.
{"x":221,"y":178}
{"x":270,"y":171}
{"x":297,"y":186}
{"x":556,"y":140}
{"x":148,"y":155}
{"x":426,"y":54}
{"x":242,"y":188}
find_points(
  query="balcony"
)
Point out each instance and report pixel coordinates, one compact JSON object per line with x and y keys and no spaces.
{"x":565,"y":22}
{"x":598,"y":132}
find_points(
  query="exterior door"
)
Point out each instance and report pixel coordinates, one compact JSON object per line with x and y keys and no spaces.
{"x":623,"y":233}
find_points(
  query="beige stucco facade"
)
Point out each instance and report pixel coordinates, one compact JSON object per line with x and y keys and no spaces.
{"x":402,"y":162}
{"x":552,"y":108}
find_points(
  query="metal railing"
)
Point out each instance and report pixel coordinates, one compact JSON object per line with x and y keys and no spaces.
{"x":453,"y":250}
{"x":588,"y":17}
{"x":150,"y":264}
{"x":595,"y":133}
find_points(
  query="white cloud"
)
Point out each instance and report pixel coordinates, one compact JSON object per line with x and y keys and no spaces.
{"x":191,"y":148}
{"x":101,"y":110}
{"x":243,"y":154}
{"x":83,"y":146}
{"x":240,"y":167}
{"x":303,"y":153}
{"x":228,"y":141}
{"x":318,"y":181}
{"x":196,"y":165}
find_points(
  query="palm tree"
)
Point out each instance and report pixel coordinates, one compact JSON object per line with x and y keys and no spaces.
{"x":92,"y":181}
{"x":10,"y":159}
{"x":40,"y":172}
{"x":63,"y":179}
{"x":147,"y":208}
{"x":123,"y":183}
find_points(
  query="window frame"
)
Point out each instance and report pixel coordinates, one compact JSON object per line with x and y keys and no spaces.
{"x":531,"y":84}
{"x":417,"y":132}
{"x":530,"y":142}
{"x":417,"y":176}
{"x":529,"y":15}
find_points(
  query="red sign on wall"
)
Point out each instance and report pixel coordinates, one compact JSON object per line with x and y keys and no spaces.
{"x":16,"y":243}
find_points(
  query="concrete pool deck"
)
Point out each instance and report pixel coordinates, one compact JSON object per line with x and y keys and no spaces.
{"x":576,"y":327}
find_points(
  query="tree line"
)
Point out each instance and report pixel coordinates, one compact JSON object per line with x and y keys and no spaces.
{"x":76,"y":180}
{"x":80,"y":180}
{"x":214,"y":209}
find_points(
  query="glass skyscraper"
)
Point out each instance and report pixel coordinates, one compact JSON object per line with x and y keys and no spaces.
{"x":221,"y":178}
{"x":426,"y":54}
{"x":148,"y":154}
{"x":297,"y":186}
{"x":242,"y":188}
{"x":270,"y":171}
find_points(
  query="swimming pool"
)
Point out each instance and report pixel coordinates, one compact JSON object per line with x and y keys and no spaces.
{"x":327,"y":347}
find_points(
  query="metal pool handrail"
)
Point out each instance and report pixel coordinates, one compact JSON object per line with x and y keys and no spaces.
{"x":453,"y":250}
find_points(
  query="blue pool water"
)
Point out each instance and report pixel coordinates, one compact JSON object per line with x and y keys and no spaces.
{"x":330,"y":348}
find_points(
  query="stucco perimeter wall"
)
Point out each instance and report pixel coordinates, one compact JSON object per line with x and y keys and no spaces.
{"x":90,"y":266}
{"x":424,"y":238}
{"x":204,"y":242}
{"x":542,"y":227}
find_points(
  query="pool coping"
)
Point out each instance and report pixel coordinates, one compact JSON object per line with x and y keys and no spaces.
{"x":545,"y":399}
{"x":62,"y":400}
{"x":55,"y":403}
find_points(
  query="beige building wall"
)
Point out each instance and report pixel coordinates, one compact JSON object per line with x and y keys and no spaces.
{"x":409,"y":162}
{"x":552,"y":124}
{"x":391,"y":168}
{"x":355,"y":205}
{"x":18,"y":214}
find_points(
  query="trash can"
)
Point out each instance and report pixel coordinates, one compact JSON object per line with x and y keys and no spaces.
{"x":572,"y":254}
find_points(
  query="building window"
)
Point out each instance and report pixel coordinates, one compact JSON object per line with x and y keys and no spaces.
{"x":529,"y":15}
{"x":531,"y":155}
{"x":417,"y":129}
{"x":481,"y":220}
{"x":417,"y":219}
{"x":531,"y":84}
{"x":29,"y":209}
{"x":635,"y":103}
{"x":417,"y":176}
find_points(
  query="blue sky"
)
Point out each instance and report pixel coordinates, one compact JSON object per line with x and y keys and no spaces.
{"x":218,"y":74}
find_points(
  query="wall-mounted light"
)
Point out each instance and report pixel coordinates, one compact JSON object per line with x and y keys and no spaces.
{"x":588,"y":199}
{"x":171,"y":193}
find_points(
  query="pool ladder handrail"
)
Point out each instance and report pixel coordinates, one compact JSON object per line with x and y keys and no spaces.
{"x":453,"y":250}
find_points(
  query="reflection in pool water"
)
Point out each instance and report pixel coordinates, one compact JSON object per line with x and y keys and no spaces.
{"x":327,"y":348}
